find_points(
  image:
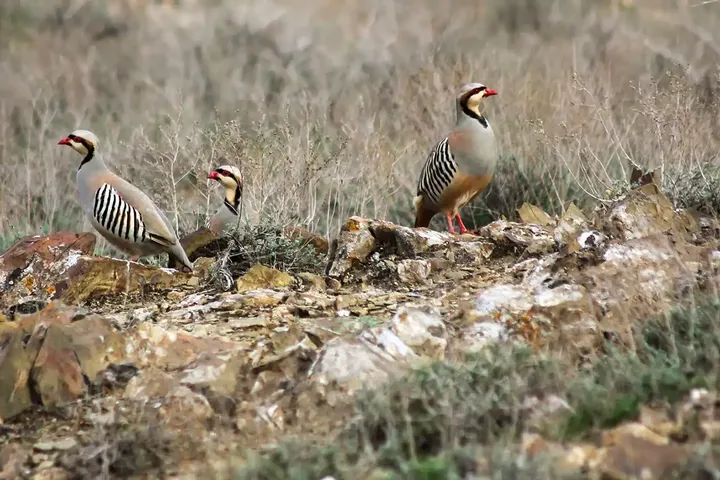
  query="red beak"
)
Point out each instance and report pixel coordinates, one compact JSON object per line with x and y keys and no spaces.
{"x":213,"y":175}
{"x":490,"y":92}
{"x":64,"y":141}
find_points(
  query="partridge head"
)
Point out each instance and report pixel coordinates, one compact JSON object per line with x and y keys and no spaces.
{"x":228,"y":215}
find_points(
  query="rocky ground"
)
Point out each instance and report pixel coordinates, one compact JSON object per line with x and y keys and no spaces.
{"x":397,"y":353}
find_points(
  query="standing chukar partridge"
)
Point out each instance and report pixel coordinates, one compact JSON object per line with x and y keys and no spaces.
{"x":461,"y":165}
{"x":229,"y":213}
{"x":120,"y":212}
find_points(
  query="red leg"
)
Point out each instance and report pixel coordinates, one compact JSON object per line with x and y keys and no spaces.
{"x":135,"y":258}
{"x":451,"y":229}
{"x":460,"y":222}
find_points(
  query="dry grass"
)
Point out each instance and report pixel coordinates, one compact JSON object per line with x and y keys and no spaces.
{"x":329,"y":107}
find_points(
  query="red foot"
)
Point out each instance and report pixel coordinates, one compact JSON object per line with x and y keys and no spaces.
{"x":135,"y":258}
{"x":451,"y":229}
{"x":462,"y":225}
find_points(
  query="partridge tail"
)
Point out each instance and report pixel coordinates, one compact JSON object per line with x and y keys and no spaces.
{"x":178,"y":253}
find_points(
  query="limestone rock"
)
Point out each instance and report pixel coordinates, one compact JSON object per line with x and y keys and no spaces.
{"x":424,"y":332}
{"x":635,"y":457}
{"x":215,"y":374}
{"x":151,"y":383}
{"x":178,"y":404}
{"x":563,"y":317}
{"x":478,"y":335}
{"x":640,"y":278}
{"x":354,"y":245}
{"x":617,"y":435}
{"x":152,"y":345}
{"x":413,"y":271}
{"x":529,"y":238}
{"x":367,"y":361}
{"x":645,"y":211}
{"x":408,"y":242}
{"x":569,"y":226}
{"x":535,"y":215}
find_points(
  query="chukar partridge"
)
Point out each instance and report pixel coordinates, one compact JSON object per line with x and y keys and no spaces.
{"x":461,"y":165}
{"x":119,"y":211}
{"x":230,"y":178}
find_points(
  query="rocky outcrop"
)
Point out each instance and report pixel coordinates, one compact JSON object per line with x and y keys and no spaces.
{"x":60,"y":266}
{"x":280,"y":351}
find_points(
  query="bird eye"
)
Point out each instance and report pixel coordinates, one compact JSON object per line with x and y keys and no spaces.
{"x":224,"y":172}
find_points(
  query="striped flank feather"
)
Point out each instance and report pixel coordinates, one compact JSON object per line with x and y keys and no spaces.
{"x":437,"y":173}
{"x":117,"y":216}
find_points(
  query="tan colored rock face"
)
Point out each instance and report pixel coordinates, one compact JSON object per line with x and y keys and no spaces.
{"x":260,"y":277}
{"x":92,"y":277}
{"x":58,"y":357}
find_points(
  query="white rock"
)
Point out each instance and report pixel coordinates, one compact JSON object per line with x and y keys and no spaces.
{"x":424,"y":332}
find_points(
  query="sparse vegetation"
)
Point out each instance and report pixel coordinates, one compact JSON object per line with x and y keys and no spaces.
{"x":446,"y":419}
{"x":268,"y":245}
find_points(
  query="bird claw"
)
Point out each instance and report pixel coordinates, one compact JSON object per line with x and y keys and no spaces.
{"x":451,"y":229}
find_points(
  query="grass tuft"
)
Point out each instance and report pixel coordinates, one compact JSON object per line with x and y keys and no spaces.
{"x":267,"y":244}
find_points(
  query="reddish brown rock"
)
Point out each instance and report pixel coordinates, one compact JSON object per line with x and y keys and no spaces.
{"x":47,"y":357}
{"x":30,"y":267}
{"x":178,"y":405}
{"x":72,"y":353}
{"x":151,"y":383}
{"x":55,"y":313}
{"x":57,"y":374}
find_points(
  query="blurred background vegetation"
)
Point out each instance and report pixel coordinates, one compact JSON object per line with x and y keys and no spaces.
{"x":329,"y":107}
